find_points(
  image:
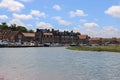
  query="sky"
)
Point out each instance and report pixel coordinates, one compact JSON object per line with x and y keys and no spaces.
{"x":96,"y":18}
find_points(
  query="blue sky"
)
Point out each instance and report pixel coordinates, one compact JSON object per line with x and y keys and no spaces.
{"x":97,"y":18}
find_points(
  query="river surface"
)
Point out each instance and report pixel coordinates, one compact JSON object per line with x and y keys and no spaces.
{"x":58,"y":63}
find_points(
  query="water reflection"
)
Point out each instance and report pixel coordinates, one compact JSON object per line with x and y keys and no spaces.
{"x":58,"y":64}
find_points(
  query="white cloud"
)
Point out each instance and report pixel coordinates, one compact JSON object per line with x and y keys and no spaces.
{"x":77,"y":13}
{"x":17,"y":22}
{"x":83,"y":21}
{"x":61,"y":21}
{"x":57,"y":7}
{"x":22,"y":16}
{"x":110,"y":31}
{"x":44,"y":25}
{"x":76,"y":29}
{"x":88,"y":32}
{"x":37,"y":13}
{"x":57,"y":17}
{"x":11,"y":5}
{"x":64,"y":29}
{"x":30,"y":25}
{"x":91,"y":25}
{"x":3,"y":17}
{"x":105,"y":32}
{"x":113,"y":11}
{"x":26,"y":0}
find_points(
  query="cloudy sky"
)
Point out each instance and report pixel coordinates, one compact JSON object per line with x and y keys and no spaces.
{"x":97,"y":18}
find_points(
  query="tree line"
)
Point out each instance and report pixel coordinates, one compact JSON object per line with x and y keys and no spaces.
{"x":14,"y":27}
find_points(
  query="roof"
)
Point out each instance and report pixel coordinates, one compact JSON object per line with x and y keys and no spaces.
{"x":82,"y":36}
{"x":29,"y":34}
{"x":13,"y":33}
{"x":48,"y":33}
{"x":8,"y":33}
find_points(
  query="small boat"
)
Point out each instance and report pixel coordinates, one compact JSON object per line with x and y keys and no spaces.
{"x":73,"y":44}
{"x":46,"y":44}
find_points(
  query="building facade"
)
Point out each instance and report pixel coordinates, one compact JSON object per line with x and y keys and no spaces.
{"x":83,"y":39}
{"x":11,"y":36}
{"x":55,"y":36}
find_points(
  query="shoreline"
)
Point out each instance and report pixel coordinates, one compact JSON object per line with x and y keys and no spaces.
{"x":26,"y":46}
{"x":17,"y":46}
{"x":96,"y":48}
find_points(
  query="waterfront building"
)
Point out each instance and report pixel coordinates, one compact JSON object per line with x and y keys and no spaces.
{"x":29,"y":37}
{"x":11,"y":36}
{"x":52,"y":37}
{"x":106,"y":41}
{"x":16,"y":37}
{"x":43,"y":36}
{"x":95,"y":41}
{"x":83,"y":39}
{"x":55,"y":36}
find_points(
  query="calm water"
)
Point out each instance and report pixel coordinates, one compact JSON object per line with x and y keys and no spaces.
{"x":52,"y":63}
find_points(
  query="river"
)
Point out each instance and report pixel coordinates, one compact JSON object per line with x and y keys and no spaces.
{"x":58,"y":63}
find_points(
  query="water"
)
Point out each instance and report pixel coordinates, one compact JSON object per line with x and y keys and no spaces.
{"x":58,"y":63}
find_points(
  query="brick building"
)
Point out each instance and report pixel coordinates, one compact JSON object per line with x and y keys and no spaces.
{"x":11,"y":36}
{"x":55,"y":36}
{"x":83,"y":39}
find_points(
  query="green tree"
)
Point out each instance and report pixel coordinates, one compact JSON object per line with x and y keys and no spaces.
{"x":77,"y":33}
{"x":13,"y":27}
{"x":3,"y":26}
{"x":30,"y":31}
{"x":22,"y":28}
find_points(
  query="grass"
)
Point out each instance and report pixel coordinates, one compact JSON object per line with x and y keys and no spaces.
{"x":111,"y":48}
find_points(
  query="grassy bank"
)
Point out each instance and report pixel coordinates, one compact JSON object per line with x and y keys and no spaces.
{"x":113,"y":48}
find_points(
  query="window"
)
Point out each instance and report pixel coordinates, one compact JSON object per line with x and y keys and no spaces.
{"x":19,"y":36}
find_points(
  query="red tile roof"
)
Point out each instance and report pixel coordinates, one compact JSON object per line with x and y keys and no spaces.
{"x":6,"y":34}
{"x":83,"y":36}
{"x":12,"y":33}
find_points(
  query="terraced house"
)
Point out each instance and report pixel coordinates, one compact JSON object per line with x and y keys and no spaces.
{"x":55,"y":36}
